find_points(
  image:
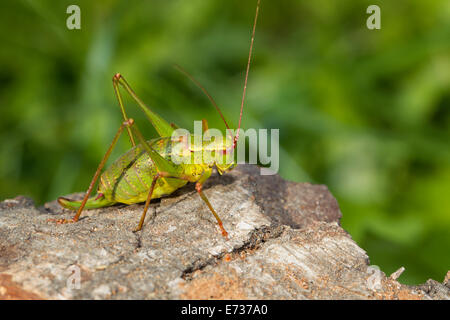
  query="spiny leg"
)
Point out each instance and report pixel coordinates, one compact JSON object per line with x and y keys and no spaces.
{"x":149,"y":197}
{"x":198,"y":187}
{"x":147,"y":202}
{"x":127,"y":124}
{"x":122,"y":108}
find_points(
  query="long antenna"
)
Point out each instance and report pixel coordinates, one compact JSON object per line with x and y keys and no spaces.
{"x":204,"y":91}
{"x":246,"y":73}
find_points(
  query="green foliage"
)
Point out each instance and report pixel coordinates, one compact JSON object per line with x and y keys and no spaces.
{"x":365,"y":112}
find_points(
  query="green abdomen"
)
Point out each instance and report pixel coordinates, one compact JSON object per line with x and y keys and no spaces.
{"x":129,"y":178}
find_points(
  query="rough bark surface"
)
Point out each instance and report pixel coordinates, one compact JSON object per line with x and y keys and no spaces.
{"x":285,"y":242}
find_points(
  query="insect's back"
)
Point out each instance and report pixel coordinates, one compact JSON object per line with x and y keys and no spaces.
{"x":129,"y":178}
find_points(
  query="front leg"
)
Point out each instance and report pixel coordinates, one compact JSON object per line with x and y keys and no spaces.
{"x":199,"y":188}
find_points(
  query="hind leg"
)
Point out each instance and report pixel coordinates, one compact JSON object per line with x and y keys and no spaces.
{"x":125,"y":124}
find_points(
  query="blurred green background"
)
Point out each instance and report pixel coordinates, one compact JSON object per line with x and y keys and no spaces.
{"x":365,"y":112}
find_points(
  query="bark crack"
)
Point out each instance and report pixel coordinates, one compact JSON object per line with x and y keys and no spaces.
{"x":254,"y":242}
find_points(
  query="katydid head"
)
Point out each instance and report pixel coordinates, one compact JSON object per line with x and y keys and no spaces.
{"x":218,"y":151}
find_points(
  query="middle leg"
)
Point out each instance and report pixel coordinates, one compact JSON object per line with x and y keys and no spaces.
{"x":158,"y":175}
